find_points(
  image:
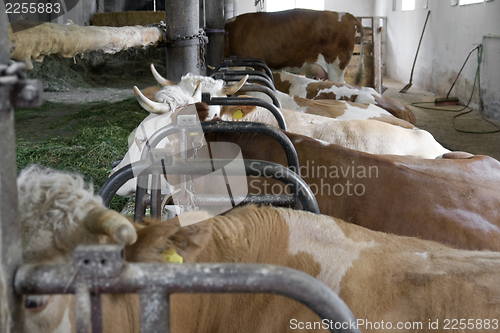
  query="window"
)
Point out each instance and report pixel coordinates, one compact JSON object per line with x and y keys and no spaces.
{"x":408,"y":5}
{"x":468,"y":2}
{"x":278,"y":5}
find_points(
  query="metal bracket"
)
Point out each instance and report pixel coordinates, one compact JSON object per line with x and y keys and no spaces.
{"x":24,"y":92}
{"x":98,"y":261}
{"x":186,"y":120}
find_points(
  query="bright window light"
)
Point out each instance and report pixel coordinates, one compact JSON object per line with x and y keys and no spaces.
{"x":468,"y":2}
{"x":408,"y":5}
{"x":279,"y":5}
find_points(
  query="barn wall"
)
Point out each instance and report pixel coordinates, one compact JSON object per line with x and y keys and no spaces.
{"x":355,"y":7}
{"x":451,"y":33}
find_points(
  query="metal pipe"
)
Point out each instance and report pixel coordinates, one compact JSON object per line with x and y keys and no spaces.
{"x":260,"y":88}
{"x":267,"y":199}
{"x":254,"y":168}
{"x":232,"y":127}
{"x":214,"y":15}
{"x":252,"y":78}
{"x":11,"y":318}
{"x":196,"y":278}
{"x":155,"y":310}
{"x":248,"y":62}
{"x":222,"y":72}
{"x":183,"y":54}
{"x":280,"y":119}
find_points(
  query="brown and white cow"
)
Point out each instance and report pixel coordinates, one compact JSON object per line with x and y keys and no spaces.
{"x":296,"y":39}
{"x":369,"y":136}
{"x":454,"y":200}
{"x":398,"y":282}
{"x":300,"y":86}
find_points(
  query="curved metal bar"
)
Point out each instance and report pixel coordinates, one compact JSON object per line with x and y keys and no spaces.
{"x":263,"y":89}
{"x":251,"y":127}
{"x":223,"y":72}
{"x":250,"y":62}
{"x":206,"y":98}
{"x":197,"y":278}
{"x":231,"y":127}
{"x":254,"y":168}
{"x":251,"y":78}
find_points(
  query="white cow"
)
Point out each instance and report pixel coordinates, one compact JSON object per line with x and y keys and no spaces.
{"x":169,"y":99}
{"x":296,"y":85}
{"x":369,"y":136}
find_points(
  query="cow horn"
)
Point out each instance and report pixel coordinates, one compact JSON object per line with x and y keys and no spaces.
{"x":160,"y":79}
{"x":198,"y":84}
{"x":149,"y":105}
{"x":230,"y":90}
{"x":105,"y":221}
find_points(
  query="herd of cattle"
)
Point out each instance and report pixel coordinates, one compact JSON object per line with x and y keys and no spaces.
{"x":408,"y":233}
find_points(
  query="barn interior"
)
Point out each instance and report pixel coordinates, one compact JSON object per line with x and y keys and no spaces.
{"x":455,"y":53}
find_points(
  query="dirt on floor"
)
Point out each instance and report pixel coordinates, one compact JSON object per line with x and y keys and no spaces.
{"x":441,"y":124}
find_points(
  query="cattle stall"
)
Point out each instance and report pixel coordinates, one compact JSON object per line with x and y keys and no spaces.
{"x":182,"y":57}
{"x":100,"y":269}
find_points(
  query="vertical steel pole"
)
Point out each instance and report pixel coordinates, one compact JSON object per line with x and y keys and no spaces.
{"x":214,"y":15}
{"x":11,"y":253}
{"x":182,"y":51}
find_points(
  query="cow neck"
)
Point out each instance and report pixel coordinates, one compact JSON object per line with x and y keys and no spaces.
{"x":255,"y":235}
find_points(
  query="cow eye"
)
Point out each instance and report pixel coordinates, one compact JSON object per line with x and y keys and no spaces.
{"x":35,"y":301}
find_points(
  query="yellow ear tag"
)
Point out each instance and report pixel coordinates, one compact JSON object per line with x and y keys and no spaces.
{"x":169,"y":255}
{"x":238,"y":114}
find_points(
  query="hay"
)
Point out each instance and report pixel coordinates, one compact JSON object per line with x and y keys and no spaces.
{"x":35,"y":41}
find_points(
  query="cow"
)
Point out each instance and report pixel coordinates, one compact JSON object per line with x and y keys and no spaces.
{"x":385,"y":279}
{"x":168,"y":99}
{"x":295,"y":39}
{"x":300,"y":86}
{"x":341,"y":110}
{"x":454,"y":200}
{"x":370,"y":136}
{"x":57,"y":212}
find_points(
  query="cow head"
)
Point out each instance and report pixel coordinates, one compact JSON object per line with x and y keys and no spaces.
{"x":177,"y":94}
{"x":57,"y":213}
{"x":168,"y":99}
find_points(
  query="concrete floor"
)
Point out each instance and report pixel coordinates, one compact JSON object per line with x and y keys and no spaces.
{"x":440,"y":123}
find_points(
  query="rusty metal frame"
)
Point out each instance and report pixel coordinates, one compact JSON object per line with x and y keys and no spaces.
{"x":101,"y":269}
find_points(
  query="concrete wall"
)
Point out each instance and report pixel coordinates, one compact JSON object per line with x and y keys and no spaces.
{"x":451,"y":33}
{"x":355,"y":7}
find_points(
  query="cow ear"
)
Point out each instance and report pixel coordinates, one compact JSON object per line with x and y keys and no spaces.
{"x":156,"y":238}
{"x":190,"y":240}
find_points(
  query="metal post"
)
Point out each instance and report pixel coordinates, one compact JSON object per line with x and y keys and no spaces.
{"x":11,"y":255}
{"x":377,"y":52}
{"x":183,"y":54}
{"x":214,"y":15}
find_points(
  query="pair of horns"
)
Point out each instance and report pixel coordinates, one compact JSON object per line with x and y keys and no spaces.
{"x":108,"y":222}
{"x":229,"y":90}
{"x":161,"y":108}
